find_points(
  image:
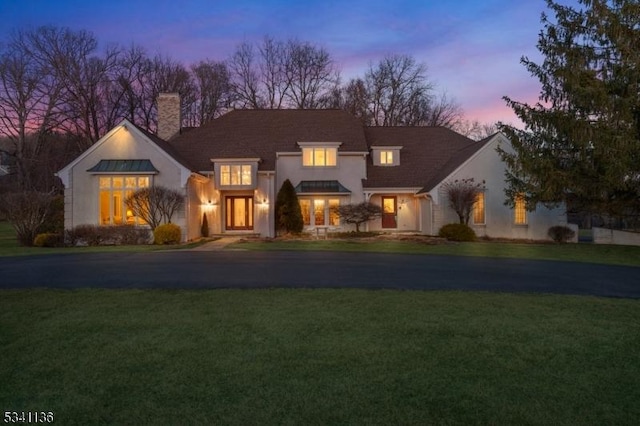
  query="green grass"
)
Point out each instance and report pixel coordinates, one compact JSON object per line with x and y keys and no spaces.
{"x":9,"y":246}
{"x":316,"y":357}
{"x":590,"y":253}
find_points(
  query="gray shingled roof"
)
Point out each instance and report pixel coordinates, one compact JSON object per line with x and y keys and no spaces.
{"x":428,"y":155}
{"x":263,"y":133}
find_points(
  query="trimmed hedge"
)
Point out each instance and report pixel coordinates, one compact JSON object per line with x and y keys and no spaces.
{"x":94,"y":235}
{"x":561,"y":234}
{"x":167,"y":234}
{"x":457,"y":232}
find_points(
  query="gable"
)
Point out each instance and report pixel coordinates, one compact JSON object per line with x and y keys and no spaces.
{"x":125,"y":145}
{"x":428,"y":154}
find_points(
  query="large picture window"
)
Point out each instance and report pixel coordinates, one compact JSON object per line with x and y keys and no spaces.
{"x":114,"y":190}
{"x":235,"y":175}
{"x":319,"y":157}
{"x":320,"y":211}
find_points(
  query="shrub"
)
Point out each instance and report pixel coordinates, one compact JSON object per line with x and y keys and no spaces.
{"x":204,"y":230}
{"x":27,"y":212}
{"x":288,"y":212}
{"x":54,"y":222}
{"x":167,"y":234}
{"x":561,"y":234}
{"x":48,"y":239}
{"x":93,"y":235}
{"x":457,"y":232}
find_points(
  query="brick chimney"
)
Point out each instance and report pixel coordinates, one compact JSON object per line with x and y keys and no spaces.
{"x":169,"y":117}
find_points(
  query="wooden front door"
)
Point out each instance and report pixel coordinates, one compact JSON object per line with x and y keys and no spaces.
{"x":239,"y":213}
{"x":389,"y":212}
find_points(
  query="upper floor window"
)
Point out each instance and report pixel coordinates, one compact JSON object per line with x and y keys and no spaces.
{"x":319,"y":156}
{"x":386,"y":157}
{"x":235,"y":174}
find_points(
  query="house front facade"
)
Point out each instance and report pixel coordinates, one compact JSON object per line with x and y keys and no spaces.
{"x":231,"y":169}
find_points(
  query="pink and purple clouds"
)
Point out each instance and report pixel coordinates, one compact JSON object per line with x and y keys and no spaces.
{"x":472,"y":49}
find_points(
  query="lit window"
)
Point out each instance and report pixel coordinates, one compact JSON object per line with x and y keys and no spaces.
{"x":318,"y":211}
{"x":478,"y":209}
{"x":334,"y":218}
{"x":520,"y":210}
{"x":305,"y":207}
{"x":235,"y":175}
{"x":114,"y":190}
{"x":319,"y":157}
{"x":386,"y":157}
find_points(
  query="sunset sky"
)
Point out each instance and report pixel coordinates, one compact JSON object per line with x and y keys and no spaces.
{"x":472,"y":48}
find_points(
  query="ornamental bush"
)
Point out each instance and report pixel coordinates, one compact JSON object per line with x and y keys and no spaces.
{"x":288,"y":212}
{"x":94,"y":235}
{"x":168,"y":233}
{"x":48,"y":239}
{"x":204,"y":230}
{"x":561,"y":234}
{"x":457,"y":232}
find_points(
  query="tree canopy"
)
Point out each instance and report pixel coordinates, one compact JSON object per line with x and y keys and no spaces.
{"x":581,"y":140}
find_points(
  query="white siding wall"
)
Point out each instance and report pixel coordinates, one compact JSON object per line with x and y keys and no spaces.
{"x":487,"y":165}
{"x":82,"y":191}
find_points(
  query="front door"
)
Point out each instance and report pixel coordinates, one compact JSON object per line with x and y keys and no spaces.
{"x":389,"y":212}
{"x":239,"y":213}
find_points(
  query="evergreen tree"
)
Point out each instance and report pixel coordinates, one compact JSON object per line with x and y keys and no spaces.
{"x":581,"y":141}
{"x":288,"y":212}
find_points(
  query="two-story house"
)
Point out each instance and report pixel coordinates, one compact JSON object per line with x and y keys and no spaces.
{"x":232,"y":168}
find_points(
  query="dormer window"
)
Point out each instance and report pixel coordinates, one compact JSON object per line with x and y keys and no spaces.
{"x":319,"y":154}
{"x":319,"y":157}
{"x":386,"y":155}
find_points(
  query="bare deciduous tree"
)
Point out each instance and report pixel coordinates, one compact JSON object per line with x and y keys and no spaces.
{"x":156,"y":204}
{"x":213,"y":91}
{"x":26,"y":211}
{"x":462,"y":194}
{"x":358,"y":214}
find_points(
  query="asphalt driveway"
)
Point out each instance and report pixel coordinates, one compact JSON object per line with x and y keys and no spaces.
{"x":247,"y":269}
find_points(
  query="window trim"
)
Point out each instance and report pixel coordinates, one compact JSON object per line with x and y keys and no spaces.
{"x":315,"y":151}
{"x":122,"y":193}
{"x":480,"y":196}
{"x":309,"y":216}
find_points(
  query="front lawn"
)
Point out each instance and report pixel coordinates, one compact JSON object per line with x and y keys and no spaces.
{"x":317,"y":357}
{"x":590,"y":253}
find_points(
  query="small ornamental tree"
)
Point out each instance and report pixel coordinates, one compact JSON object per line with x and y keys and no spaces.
{"x":462,"y":196}
{"x":156,"y":205}
{"x":358,"y":214}
{"x":288,"y":212}
{"x":204,"y":230}
{"x":27,"y":212}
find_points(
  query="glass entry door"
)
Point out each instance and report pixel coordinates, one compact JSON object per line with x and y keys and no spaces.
{"x":389,"y":212}
{"x":239,"y":213}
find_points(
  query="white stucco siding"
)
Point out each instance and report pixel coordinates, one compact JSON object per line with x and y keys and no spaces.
{"x":264,"y":223}
{"x":349,"y":171}
{"x":486,"y":165}
{"x":82,"y":187}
